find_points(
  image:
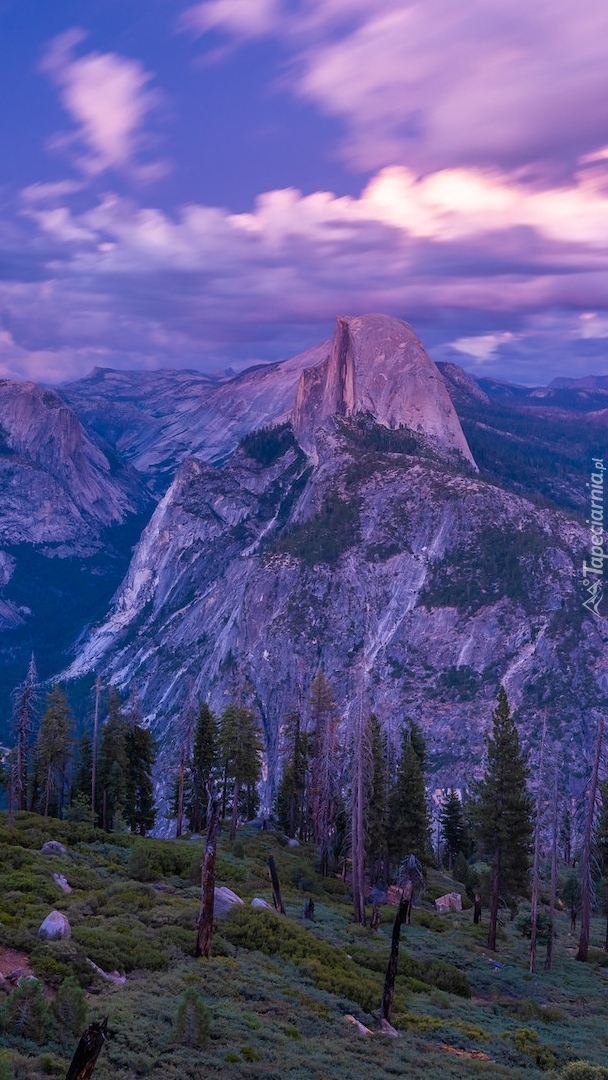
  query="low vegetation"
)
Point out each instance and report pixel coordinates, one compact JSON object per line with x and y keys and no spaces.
{"x":275,"y":997}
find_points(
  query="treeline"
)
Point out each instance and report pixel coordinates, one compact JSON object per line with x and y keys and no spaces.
{"x":104,"y":779}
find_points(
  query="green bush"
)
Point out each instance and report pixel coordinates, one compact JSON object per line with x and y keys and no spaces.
{"x":69,"y":1008}
{"x":582,"y":1070}
{"x":193,"y":1020}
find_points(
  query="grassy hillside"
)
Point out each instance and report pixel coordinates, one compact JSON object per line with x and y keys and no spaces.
{"x":272,"y":1001}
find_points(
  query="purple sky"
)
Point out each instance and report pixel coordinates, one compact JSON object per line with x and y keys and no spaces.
{"x":202,"y":185}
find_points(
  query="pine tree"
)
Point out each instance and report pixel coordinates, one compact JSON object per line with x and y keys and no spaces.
{"x":140,"y":752}
{"x":240,"y":750}
{"x":202,"y":762}
{"x":25,"y":703}
{"x":503,"y":811}
{"x":453,"y":829}
{"x":53,"y":748}
{"x":325,"y":793}
{"x":408,"y":811}
{"x":291,"y":796}
{"x":112,"y":765}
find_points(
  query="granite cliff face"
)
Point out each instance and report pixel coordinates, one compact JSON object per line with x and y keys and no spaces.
{"x":368,"y":545}
{"x":377,"y":367}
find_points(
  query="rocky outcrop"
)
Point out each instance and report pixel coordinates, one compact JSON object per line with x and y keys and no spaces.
{"x":377,"y":367}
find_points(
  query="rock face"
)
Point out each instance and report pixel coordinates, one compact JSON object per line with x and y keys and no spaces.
{"x":377,"y":367}
{"x":55,"y":926}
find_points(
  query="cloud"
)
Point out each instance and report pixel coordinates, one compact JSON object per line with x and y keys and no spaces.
{"x":109,"y":99}
{"x":433,"y":85}
{"x":470,"y":257}
{"x":242,"y":18}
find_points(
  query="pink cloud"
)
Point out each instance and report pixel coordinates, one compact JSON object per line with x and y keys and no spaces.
{"x":109,"y":99}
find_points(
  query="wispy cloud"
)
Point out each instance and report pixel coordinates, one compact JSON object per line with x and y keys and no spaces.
{"x":437,"y":84}
{"x":109,"y":98}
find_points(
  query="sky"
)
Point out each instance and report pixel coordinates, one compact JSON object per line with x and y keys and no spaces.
{"x":208,"y":184}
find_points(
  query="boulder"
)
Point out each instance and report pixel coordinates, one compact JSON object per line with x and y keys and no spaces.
{"x":53,"y":847}
{"x":223,"y":900}
{"x":292,"y":842}
{"x":258,"y":902}
{"x":55,"y":926}
{"x":61,"y":881}
{"x":450,"y":902}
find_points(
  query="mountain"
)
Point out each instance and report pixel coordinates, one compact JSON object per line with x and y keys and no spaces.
{"x":69,"y":515}
{"x":154,"y":420}
{"x":418,"y":558}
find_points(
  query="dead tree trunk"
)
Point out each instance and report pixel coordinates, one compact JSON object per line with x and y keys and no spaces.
{"x":94,"y":747}
{"x":493,"y":930}
{"x":205,"y":916}
{"x":357,"y":820}
{"x":276,"y":888}
{"x":586,"y":888}
{"x":388,"y":991}
{"x":87,"y":1051}
{"x":553,"y":886}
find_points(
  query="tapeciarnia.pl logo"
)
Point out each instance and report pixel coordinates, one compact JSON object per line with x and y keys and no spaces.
{"x":593,"y":572}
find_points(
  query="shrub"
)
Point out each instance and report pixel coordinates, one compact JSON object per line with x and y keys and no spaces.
{"x":582,"y":1070}
{"x":69,"y":1008}
{"x":193,"y":1020}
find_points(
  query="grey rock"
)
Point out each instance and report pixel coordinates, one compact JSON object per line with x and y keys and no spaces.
{"x":55,"y":926}
{"x":449,"y":902}
{"x":224,"y":900}
{"x":53,"y":847}
{"x":61,"y":881}
{"x":292,"y":842}
{"x":258,"y":902}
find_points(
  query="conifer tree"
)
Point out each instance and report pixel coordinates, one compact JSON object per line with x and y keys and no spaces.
{"x":503,"y":811}
{"x":325,"y":794}
{"x":53,"y":748}
{"x":453,"y":829}
{"x":112,"y":764}
{"x":140,"y":753}
{"x":292,"y":793}
{"x":408,"y":811}
{"x":240,"y":750}
{"x":202,"y":762}
{"x":25,"y":697}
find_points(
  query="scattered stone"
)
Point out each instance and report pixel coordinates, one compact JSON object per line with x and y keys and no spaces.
{"x":359,"y":1026}
{"x":112,"y":976}
{"x":55,"y":926}
{"x":258,"y":902}
{"x":14,"y":976}
{"x":61,"y":881}
{"x":53,"y":847}
{"x":450,"y":902}
{"x":292,"y":842}
{"x":223,"y":900}
{"x":388,"y":1029}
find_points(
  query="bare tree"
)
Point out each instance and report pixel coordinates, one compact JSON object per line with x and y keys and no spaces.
{"x":205,"y":917}
{"x":586,"y":883}
{"x":94,"y":747}
{"x":25,"y":700}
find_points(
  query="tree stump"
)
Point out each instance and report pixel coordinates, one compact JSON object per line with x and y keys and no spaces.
{"x":87,"y":1051}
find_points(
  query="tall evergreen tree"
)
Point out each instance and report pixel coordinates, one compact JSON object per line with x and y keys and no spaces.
{"x":292,"y":793}
{"x":409,"y":823}
{"x":53,"y":750}
{"x":25,"y":697}
{"x":325,"y":788}
{"x":503,"y":811}
{"x":240,"y":750}
{"x":140,"y":752}
{"x":112,"y":765}
{"x":201,"y":765}
{"x":453,"y":828}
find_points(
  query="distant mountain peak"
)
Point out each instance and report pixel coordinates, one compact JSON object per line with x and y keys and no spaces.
{"x":376,"y":365}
